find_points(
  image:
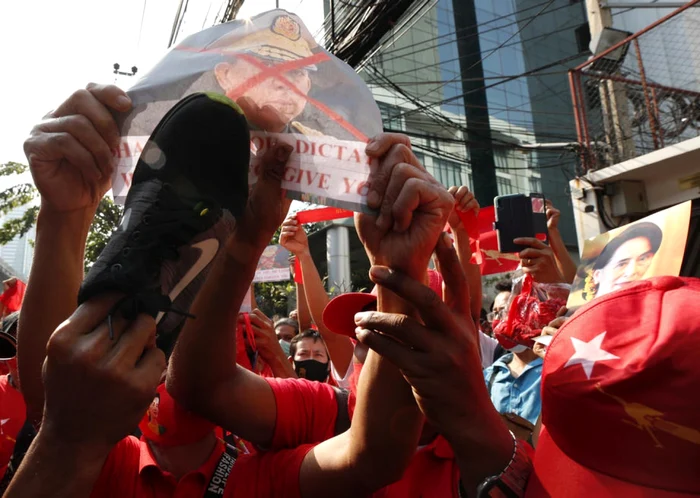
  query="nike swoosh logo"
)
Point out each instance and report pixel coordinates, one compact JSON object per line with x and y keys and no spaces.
{"x":208,"y":249}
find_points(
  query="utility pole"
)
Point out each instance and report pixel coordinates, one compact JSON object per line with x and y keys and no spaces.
{"x":479,"y":143}
{"x":613,"y":96}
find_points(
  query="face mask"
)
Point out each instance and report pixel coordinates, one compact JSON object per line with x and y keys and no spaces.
{"x":311,"y":370}
{"x":285,"y":346}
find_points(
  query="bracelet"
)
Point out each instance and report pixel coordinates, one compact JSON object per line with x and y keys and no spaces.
{"x":512,"y":480}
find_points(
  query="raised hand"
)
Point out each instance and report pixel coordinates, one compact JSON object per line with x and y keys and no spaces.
{"x":539,"y":260}
{"x":70,"y":152}
{"x":97,"y":388}
{"x":464,"y":203}
{"x":293,"y":237}
{"x":413,"y":208}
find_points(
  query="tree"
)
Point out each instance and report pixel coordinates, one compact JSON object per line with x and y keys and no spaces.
{"x":106,"y":218}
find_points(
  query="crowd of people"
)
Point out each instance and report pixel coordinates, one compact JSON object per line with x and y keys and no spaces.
{"x":144,"y":379}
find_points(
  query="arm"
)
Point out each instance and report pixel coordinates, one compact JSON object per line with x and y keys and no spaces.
{"x":71,"y":164}
{"x":340,"y":347}
{"x":465,"y":202}
{"x":45,"y":467}
{"x":214,"y":388}
{"x":52,"y":294}
{"x":565,"y":262}
{"x":97,"y":390}
{"x":303,"y":312}
{"x":440,"y":361}
{"x":386,"y":424}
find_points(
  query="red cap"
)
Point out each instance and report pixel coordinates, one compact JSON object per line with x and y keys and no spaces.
{"x":620,"y":412}
{"x":339,"y":313}
{"x":168,"y":424}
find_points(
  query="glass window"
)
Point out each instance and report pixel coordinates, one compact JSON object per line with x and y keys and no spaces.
{"x":505,"y":186}
{"x":391,"y":116}
{"x":536,"y":184}
{"x":447,"y":172}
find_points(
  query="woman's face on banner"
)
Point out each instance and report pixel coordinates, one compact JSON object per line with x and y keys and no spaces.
{"x":629,"y":263}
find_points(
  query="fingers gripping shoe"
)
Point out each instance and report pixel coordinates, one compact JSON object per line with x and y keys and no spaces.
{"x":190,"y":182}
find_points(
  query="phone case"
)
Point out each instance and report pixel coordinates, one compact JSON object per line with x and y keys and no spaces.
{"x":515,"y":217}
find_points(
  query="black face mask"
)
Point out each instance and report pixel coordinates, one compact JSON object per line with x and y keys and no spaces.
{"x":311,"y":370}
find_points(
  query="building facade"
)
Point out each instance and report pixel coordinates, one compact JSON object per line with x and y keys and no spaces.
{"x":519,"y":113}
{"x":19,"y":252}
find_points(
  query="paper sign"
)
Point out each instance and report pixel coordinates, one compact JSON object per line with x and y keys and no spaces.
{"x":651,"y":247}
{"x":290,"y":89}
{"x":273,"y":265}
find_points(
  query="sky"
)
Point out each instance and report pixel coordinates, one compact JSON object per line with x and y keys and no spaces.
{"x":51,"y":48}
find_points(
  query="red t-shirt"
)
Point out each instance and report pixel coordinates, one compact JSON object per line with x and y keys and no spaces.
{"x":132,"y":472}
{"x":306,"y":413}
{"x":13,"y":414}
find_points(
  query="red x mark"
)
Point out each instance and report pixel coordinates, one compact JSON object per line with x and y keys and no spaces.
{"x":277,"y":71}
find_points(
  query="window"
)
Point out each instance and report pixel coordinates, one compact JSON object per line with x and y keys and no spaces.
{"x":535,"y":184}
{"x":505,"y":186}
{"x":447,"y":172}
{"x":583,"y":38}
{"x":391,"y":116}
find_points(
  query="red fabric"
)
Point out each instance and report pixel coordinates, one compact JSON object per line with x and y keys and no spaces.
{"x":471,"y":225}
{"x":132,"y":472}
{"x":322,"y":214}
{"x":527,"y":316}
{"x":298,"y":277}
{"x":13,"y":414}
{"x":12,"y":298}
{"x":306,"y":412}
{"x":618,"y":396}
{"x":168,"y":424}
{"x":432,"y":473}
{"x":492,"y":260}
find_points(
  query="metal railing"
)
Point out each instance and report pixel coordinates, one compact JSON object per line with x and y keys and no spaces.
{"x":641,"y":94}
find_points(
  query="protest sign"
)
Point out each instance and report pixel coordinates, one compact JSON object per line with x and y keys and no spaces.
{"x":289,"y":88}
{"x":651,"y":247}
{"x":273,"y":265}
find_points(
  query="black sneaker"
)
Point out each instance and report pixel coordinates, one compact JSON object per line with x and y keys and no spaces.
{"x":190,"y":182}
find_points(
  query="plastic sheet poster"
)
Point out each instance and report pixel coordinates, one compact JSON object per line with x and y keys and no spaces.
{"x":651,"y":247}
{"x":290,"y":88}
{"x":273,"y":265}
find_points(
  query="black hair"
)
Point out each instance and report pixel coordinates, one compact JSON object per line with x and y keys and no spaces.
{"x":288,"y":321}
{"x":307,"y":334}
{"x":649,"y":231}
{"x":504,"y":285}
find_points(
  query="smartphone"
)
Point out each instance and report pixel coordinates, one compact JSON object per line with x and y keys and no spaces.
{"x":519,"y":215}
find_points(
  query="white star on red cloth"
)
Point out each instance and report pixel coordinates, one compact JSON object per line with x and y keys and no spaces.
{"x":588,"y":353}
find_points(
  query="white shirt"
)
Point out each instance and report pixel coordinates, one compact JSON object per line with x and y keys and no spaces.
{"x":488,"y":346}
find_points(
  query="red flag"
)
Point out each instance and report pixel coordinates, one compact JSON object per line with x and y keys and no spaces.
{"x":322,"y":214}
{"x":12,"y":298}
{"x":492,"y":260}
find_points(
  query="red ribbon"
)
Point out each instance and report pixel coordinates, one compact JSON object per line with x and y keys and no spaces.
{"x":322,"y":214}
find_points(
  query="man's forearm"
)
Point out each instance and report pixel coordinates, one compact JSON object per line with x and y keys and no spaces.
{"x":52,"y":469}
{"x":565,"y":262}
{"x":203,"y":375}
{"x":51,"y":296}
{"x":280,"y":366}
{"x":481,"y":453}
{"x":340,"y":347}
{"x":383,"y":436}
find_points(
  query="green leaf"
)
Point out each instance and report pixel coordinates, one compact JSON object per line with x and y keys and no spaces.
{"x":18,"y":227}
{"x":13,"y":168}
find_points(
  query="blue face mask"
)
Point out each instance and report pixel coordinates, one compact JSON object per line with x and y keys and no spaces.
{"x":285,"y":346}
